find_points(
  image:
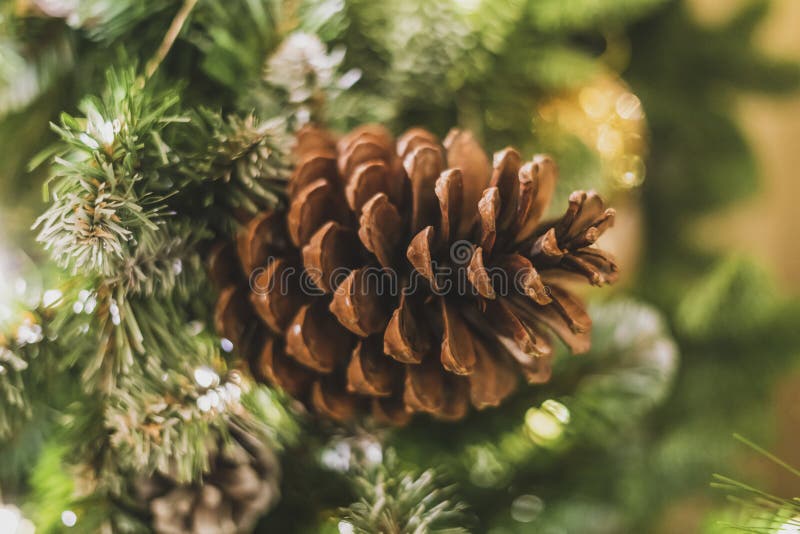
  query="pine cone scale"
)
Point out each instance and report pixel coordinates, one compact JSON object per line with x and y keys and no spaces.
{"x":467,"y":155}
{"x":380,"y":229}
{"x":405,"y":338}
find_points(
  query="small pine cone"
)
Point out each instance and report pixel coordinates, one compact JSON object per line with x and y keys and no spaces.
{"x":409,"y":276}
{"x":241,"y":485}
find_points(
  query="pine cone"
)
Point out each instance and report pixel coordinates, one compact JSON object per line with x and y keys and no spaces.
{"x":241,"y":485}
{"x":478,"y":281}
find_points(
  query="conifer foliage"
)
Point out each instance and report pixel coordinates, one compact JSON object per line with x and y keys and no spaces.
{"x":181,"y":144}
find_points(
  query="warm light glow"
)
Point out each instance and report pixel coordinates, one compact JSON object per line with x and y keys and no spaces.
{"x":205,"y":377}
{"x":557,"y":410}
{"x":468,"y":6}
{"x":609,"y":141}
{"x":545,"y":425}
{"x":9,"y":519}
{"x":51,"y":297}
{"x":29,"y":331}
{"x":204,"y":403}
{"x":526,"y":508}
{"x":69,"y":518}
{"x":12,"y":521}
{"x":542,"y":425}
{"x":6,"y":287}
{"x":218,"y":394}
{"x":606,"y":117}
{"x":595,"y":102}
{"x":790,"y":527}
{"x":629,"y":107}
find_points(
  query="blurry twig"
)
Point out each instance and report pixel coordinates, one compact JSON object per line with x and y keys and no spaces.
{"x":169,"y":38}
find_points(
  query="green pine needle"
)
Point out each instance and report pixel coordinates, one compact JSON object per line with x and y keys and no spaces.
{"x":767,"y":513}
{"x":394,"y":501}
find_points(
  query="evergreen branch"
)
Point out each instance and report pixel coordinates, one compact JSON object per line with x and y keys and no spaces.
{"x":126,"y":333}
{"x":161,"y":261}
{"x":238,"y":163}
{"x":307,"y":77}
{"x":14,"y":403}
{"x":90,"y":227}
{"x":234,"y":38}
{"x":271,"y":408}
{"x":158,"y":425}
{"x":163,"y":423}
{"x":106,"y":177}
{"x":393,"y":500}
{"x":24,"y":351}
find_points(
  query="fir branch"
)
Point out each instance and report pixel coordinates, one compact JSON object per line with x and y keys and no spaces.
{"x":272,"y":409}
{"x":162,"y":262}
{"x":160,"y":425}
{"x":251,"y":152}
{"x":234,"y":39}
{"x":124,"y":334}
{"x":393,"y":500}
{"x":629,"y":371}
{"x":14,"y":403}
{"x":238,"y":163}
{"x":89,"y":227}
{"x":107,"y":177}
{"x":23,"y":354}
{"x":163,"y":424}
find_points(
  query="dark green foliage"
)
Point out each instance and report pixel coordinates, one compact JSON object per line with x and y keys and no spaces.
{"x":15,"y":405}
{"x":234,"y":38}
{"x":236,"y":164}
{"x":686,"y":75}
{"x":148,"y":172}
{"x":734,"y":299}
{"x":731,"y":323}
{"x":552,"y":15}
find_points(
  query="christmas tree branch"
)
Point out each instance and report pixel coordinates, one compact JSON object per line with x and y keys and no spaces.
{"x":394,"y":499}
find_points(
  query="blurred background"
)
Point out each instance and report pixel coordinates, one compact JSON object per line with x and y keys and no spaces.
{"x":685,"y":114}
{"x":769,"y":125}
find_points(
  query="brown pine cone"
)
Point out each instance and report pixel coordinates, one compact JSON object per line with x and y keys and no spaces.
{"x":410,"y":276}
{"x":241,"y":485}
